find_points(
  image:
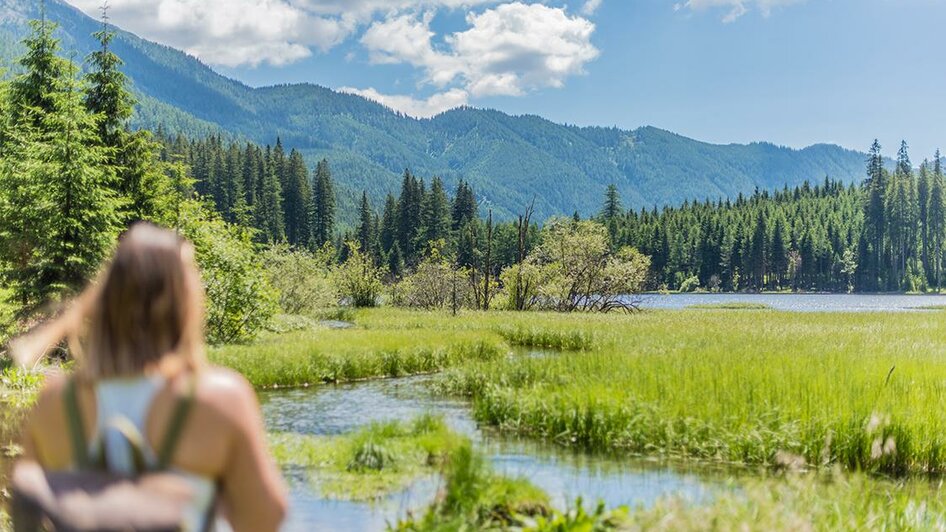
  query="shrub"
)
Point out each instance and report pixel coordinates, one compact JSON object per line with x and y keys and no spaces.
{"x":301,"y":278}
{"x":358,"y":279}
{"x":240,"y":300}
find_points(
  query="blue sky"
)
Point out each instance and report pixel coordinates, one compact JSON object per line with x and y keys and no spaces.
{"x":792,"y":72}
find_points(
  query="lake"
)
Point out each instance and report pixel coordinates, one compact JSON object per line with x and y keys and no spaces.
{"x":801,"y":302}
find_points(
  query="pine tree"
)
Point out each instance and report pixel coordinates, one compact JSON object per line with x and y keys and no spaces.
{"x":435,"y":215}
{"x":874,"y":216}
{"x":464,"y":206}
{"x":365,"y":230}
{"x":269,"y":213}
{"x":388,"y":229}
{"x":73,"y":201}
{"x":298,"y":201}
{"x":408,"y":214}
{"x":323,"y":211}
{"x":937,"y":217}
{"x":923,"y":206}
{"x":44,"y":76}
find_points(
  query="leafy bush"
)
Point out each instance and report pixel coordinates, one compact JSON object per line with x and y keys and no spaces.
{"x":302,"y":279}
{"x":690,"y":284}
{"x":435,"y":284}
{"x":240,"y":299}
{"x":358,"y":280}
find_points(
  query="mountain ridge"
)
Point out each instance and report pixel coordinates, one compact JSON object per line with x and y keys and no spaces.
{"x":508,"y":159}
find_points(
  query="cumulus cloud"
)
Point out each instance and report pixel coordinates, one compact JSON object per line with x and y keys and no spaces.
{"x":507,"y":50}
{"x":227,"y":32}
{"x":735,"y":8}
{"x":417,"y":108}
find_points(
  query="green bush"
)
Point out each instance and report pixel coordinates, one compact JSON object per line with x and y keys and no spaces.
{"x":301,"y":278}
{"x":358,"y":279}
{"x":240,"y":299}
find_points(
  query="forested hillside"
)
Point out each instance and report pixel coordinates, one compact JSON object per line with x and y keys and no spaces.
{"x":508,"y":159}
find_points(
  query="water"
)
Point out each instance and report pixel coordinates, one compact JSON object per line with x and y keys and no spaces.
{"x":563,"y":474}
{"x":801,"y":302}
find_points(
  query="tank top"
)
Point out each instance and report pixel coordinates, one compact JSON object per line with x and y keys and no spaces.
{"x":128,"y":400}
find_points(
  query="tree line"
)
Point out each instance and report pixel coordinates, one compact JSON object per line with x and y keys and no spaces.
{"x":886,"y":234}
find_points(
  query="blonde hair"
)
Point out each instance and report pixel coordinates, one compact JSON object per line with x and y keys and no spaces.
{"x":148,"y":304}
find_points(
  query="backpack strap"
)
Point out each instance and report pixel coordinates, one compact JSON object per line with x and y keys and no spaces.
{"x":176,"y":424}
{"x":80,"y":447}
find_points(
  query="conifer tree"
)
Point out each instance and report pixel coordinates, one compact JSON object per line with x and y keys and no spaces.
{"x":298,"y":201}
{"x":365,"y":230}
{"x":388,"y":229}
{"x":72,"y":200}
{"x":435,"y":215}
{"x":323,"y":211}
{"x":268,"y":211}
{"x":937,"y":217}
{"x":464,"y":206}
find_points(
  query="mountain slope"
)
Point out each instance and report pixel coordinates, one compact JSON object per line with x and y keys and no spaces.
{"x":509,"y":159}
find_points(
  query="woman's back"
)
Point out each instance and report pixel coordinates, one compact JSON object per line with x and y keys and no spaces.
{"x":137,"y":333}
{"x":220,"y":441}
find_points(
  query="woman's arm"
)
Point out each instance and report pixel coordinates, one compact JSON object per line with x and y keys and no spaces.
{"x":253,"y":492}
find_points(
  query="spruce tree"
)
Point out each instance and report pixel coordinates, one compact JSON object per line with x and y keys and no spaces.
{"x":388,"y":229}
{"x":937,"y":217}
{"x":365,"y":230}
{"x":269,"y":213}
{"x":323,"y":211}
{"x":298,"y":201}
{"x":73,"y":200}
{"x":464,"y":206}
{"x":435,"y":215}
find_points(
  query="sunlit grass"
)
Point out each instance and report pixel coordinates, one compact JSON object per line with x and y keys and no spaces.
{"x":321,"y":355}
{"x":866,"y":391}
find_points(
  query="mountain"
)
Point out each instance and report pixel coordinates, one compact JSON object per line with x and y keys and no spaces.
{"x":508,"y":159}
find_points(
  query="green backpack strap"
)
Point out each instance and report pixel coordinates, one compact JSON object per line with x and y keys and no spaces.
{"x":80,"y":447}
{"x":176,"y":424}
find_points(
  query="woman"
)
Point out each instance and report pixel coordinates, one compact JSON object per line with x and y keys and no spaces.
{"x":137,"y":336}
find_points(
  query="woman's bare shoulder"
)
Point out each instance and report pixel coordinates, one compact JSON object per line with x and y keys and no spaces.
{"x":225,"y":391}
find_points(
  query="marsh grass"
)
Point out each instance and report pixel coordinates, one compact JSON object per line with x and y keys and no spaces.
{"x":866,"y":391}
{"x":375,"y":461}
{"x":832,"y":501}
{"x":321,"y":355}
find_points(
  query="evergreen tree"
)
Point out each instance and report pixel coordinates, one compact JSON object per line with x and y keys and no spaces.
{"x":874,"y":216}
{"x":298,"y":201}
{"x":365,"y":230}
{"x":34,"y":92}
{"x":409,"y":215}
{"x":323,"y":209}
{"x":464,"y":206}
{"x":269,"y":213}
{"x":435,"y":215}
{"x":72,"y":204}
{"x":937,"y":218}
{"x":389,"y":219}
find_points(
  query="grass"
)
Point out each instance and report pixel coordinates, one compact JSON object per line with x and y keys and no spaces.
{"x":321,"y":355}
{"x":830,"y":501}
{"x":865,"y":391}
{"x":373,"y":462}
{"x":731,"y":305}
{"x":17,"y":392}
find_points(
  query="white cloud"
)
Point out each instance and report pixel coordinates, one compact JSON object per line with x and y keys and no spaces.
{"x":227,"y":32}
{"x":590,"y":7}
{"x":408,"y":105}
{"x":735,"y":8}
{"x":507,"y":50}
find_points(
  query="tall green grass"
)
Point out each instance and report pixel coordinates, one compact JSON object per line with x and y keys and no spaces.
{"x":866,"y":391}
{"x":315,"y":356}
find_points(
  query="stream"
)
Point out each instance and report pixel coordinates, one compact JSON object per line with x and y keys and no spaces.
{"x":563,"y":474}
